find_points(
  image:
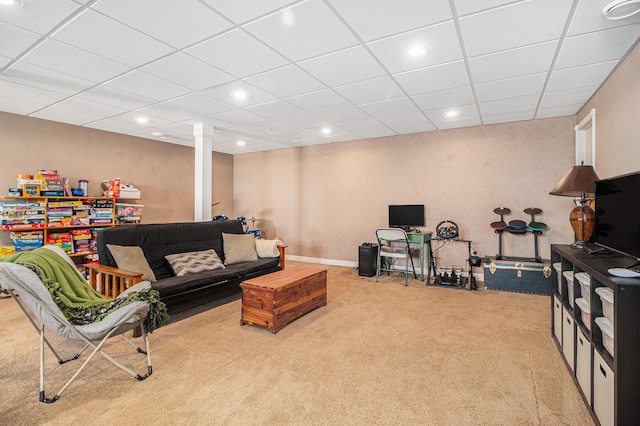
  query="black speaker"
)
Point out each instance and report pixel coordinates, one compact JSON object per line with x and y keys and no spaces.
{"x":367,"y":260}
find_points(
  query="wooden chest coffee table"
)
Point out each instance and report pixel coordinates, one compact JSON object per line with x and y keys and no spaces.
{"x":274,"y":300}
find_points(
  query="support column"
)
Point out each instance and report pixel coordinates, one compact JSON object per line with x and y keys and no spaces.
{"x":203,"y":135}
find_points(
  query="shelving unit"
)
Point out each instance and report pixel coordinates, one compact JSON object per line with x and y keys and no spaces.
{"x":88,"y":213}
{"x":608,"y":383}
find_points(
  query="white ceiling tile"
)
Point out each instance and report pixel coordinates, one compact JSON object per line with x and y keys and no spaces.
{"x":305,"y":121}
{"x":237,"y":53}
{"x":567,"y":97}
{"x":41,"y":16}
{"x":343,"y":115}
{"x":28,"y":93}
{"x":390,"y":107}
{"x":383,"y":18}
{"x":356,"y":64}
{"x":466,"y":7}
{"x":115,"y":97}
{"x":294,"y":31}
{"x":34,"y":76}
{"x":295,"y":135}
{"x":374,"y":90}
{"x":90,"y":107}
{"x":369,"y":125}
{"x":4,"y":61}
{"x":319,"y":101}
{"x":559,"y":111}
{"x":199,"y":104}
{"x":249,"y":10}
{"x":239,"y":117}
{"x":270,"y":128}
{"x":275,"y":109}
{"x":430,"y":79}
{"x":522,"y":103}
{"x":131,"y":116}
{"x":19,"y":106}
{"x":467,"y":114}
{"x":147,"y":85}
{"x":187,"y":71}
{"x":285,"y":82}
{"x":165,"y":111}
{"x":463,"y":122}
{"x":411,"y":119}
{"x":407,"y":129}
{"x":576,"y":77}
{"x":444,"y":98}
{"x":375,"y":133}
{"x":588,"y":18}
{"x":113,"y":125}
{"x":517,"y":24}
{"x":442,"y":39}
{"x":63,"y":115}
{"x":341,"y":138}
{"x":508,"y":117}
{"x":176,"y":23}
{"x":595,"y":47}
{"x":511,"y":87}
{"x":70,"y":60}
{"x":223,"y":92}
{"x":15,"y":40}
{"x":513,"y":63}
{"x":103,"y":36}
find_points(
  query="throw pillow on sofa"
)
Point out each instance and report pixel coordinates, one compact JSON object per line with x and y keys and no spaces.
{"x":239,"y":248}
{"x":194,"y":262}
{"x":131,"y":258}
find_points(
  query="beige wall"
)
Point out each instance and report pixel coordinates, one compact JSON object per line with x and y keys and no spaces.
{"x":617,"y":106}
{"x":164,"y":171}
{"x":325,"y":200}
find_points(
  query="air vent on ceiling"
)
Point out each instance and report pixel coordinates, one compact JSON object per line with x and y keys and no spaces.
{"x":620,"y":9}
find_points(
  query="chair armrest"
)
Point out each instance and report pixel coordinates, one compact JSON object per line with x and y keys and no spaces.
{"x":281,"y":251}
{"x":110,"y":281}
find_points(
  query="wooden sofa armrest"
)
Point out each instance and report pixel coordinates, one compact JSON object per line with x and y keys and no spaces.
{"x":110,"y":281}
{"x":281,"y":250}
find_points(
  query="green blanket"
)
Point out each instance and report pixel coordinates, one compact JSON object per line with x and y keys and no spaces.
{"x":79,"y":303}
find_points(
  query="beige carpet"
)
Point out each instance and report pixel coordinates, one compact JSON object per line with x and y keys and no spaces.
{"x":377,"y":354}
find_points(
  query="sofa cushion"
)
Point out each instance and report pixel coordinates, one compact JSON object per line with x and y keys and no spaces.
{"x":194,"y":261}
{"x":239,"y":248}
{"x":131,"y":258}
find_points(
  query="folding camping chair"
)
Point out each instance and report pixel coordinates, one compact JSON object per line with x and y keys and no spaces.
{"x":28,"y":291}
{"x":401,"y":250}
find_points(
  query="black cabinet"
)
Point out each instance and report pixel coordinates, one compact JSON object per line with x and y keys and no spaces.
{"x":367,"y":260}
{"x":606,"y":368}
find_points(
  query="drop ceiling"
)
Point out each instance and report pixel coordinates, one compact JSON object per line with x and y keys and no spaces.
{"x":306,"y":65}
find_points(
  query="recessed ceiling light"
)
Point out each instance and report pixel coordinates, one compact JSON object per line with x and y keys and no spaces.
{"x":239,"y":94}
{"x":11,"y":3}
{"x":142,"y":120}
{"x":241,"y":143}
{"x":416,"y":50}
{"x":156,"y":133}
{"x":451,"y":113}
{"x":326,"y":131}
{"x":620,"y":9}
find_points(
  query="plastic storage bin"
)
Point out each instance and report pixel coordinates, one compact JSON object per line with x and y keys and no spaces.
{"x":607,"y":333}
{"x":586,"y":311}
{"x":558,"y":267}
{"x":585,"y":285}
{"x":569,"y":276}
{"x":606,"y":295}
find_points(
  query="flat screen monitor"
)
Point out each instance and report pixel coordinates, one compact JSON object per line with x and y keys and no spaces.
{"x":617,"y":203}
{"x":406,"y":216}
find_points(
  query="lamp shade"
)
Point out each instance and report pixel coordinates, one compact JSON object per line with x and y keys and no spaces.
{"x":579,"y":180}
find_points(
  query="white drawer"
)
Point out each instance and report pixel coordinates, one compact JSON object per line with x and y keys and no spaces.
{"x":568,"y":337}
{"x":583,"y":364}
{"x":603,"y":390}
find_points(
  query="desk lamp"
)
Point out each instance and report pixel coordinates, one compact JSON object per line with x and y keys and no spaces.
{"x":578,"y":182}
